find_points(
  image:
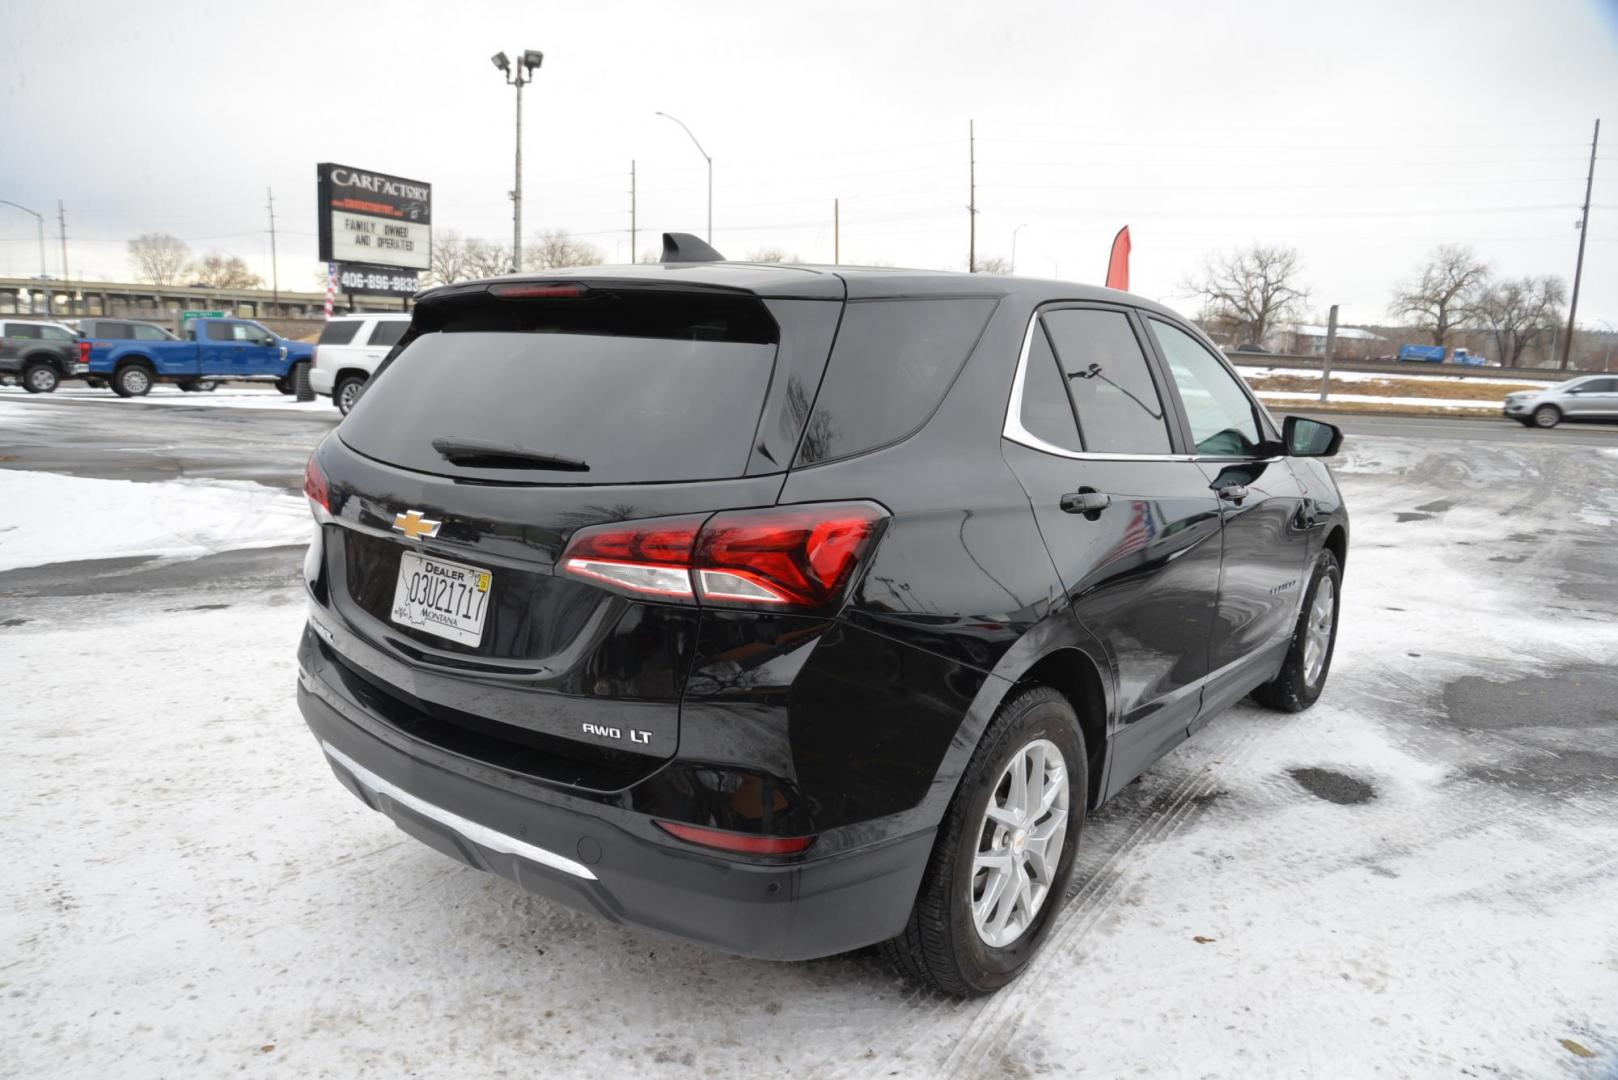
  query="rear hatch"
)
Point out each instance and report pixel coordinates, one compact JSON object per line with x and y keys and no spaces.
{"x":514,"y":415}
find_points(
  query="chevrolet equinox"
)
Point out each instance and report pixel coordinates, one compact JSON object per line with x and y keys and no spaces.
{"x":790,"y":609}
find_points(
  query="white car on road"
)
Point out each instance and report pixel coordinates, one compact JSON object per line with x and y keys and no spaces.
{"x":349,"y":350}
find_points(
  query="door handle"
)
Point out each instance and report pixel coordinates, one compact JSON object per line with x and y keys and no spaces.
{"x":1233,"y":493}
{"x":1086,"y":501}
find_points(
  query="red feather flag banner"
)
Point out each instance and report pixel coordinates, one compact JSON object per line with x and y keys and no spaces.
{"x":1118,"y":263}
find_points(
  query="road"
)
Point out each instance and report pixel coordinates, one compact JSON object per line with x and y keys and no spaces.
{"x":1508,"y":433}
{"x":1413,"y":878}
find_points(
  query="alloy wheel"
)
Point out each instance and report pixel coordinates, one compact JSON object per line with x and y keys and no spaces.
{"x":1317,"y":632}
{"x":1019,"y":843}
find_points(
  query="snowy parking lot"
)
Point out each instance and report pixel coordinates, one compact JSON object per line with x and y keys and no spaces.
{"x":1417,"y":877}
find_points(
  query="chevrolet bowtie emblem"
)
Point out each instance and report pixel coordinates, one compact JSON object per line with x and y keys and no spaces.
{"x":415,"y":526}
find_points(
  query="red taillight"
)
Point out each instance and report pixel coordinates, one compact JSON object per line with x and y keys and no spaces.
{"x":318,"y":490}
{"x":787,"y":556}
{"x":536,"y":292}
{"x":649,"y":558}
{"x":84,"y":352}
{"x":741,"y":843}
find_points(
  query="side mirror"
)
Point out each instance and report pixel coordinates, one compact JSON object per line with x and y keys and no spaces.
{"x":1310,"y":438}
{"x":266,"y":340}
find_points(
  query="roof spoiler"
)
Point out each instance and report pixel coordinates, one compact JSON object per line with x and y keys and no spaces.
{"x":679,"y":247}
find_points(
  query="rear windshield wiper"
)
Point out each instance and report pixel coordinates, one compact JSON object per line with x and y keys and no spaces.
{"x":480,"y":454}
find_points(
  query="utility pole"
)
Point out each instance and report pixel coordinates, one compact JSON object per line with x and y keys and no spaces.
{"x":972,"y":196}
{"x":836,"y":233}
{"x":1331,"y":345}
{"x":61,"y":232}
{"x":275,"y":268}
{"x":1578,"y":267}
{"x":706,"y":157}
{"x":632,"y":258}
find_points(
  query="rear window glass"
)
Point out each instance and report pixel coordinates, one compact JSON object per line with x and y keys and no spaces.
{"x":387,"y":332}
{"x":646,"y":389}
{"x":339,"y":331}
{"x":888,"y":372}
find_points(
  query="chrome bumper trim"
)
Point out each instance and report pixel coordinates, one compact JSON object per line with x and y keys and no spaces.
{"x":481,"y":835}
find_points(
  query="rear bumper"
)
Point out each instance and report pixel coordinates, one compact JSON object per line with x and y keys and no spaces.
{"x":602,"y":859}
{"x":320,"y":380}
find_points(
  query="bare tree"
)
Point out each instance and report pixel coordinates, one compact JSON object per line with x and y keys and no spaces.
{"x":449,"y":259}
{"x":1251,"y":291}
{"x":221,"y":271}
{"x":159,"y":258}
{"x":556,"y":249}
{"x":1445,"y":296}
{"x":993,"y":264}
{"x":772,"y":255}
{"x":652,"y":255}
{"x":486,"y":258}
{"x":1515,"y":313}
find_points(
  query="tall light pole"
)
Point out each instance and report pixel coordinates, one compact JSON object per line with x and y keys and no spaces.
{"x":708,"y":159}
{"x":33,"y":294}
{"x":519,"y":77}
{"x":1014,"y":233}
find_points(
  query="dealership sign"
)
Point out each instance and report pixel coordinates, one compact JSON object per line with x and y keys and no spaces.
{"x":373,"y":219}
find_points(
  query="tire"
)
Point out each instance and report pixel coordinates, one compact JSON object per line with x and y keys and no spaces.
{"x":40,"y":378}
{"x":346,"y":393}
{"x":189,"y":386}
{"x":298,"y":372}
{"x":1547,"y":416}
{"x":941,"y":946}
{"x":132,"y":380}
{"x":1303,"y":673}
{"x":96,"y":384}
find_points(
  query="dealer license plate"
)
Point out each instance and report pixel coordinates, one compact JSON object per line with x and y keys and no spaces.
{"x":441,"y":597}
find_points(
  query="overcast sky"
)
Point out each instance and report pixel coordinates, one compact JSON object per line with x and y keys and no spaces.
{"x":1362,"y":134}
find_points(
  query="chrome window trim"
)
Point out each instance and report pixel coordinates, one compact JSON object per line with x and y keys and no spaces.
{"x":1013,"y":429}
{"x":482,"y":835}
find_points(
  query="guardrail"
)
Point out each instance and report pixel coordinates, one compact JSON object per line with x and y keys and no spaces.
{"x":1462,"y":371}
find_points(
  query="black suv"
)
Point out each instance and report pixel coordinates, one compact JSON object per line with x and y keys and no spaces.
{"x":791,"y":610}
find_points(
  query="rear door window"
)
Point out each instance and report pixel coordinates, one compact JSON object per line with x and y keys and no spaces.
{"x":25,"y":330}
{"x":892,"y":364}
{"x":339,"y":332}
{"x":1101,"y":361}
{"x":219,"y":331}
{"x":385,"y":333}
{"x":628,"y":388}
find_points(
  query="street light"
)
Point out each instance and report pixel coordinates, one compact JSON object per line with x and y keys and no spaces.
{"x":709,"y":160}
{"x":33,"y":294}
{"x":529,"y":62}
{"x":1014,"y":233}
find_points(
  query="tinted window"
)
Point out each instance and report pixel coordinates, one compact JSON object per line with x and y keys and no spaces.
{"x":218,"y":331}
{"x":387,"y":332}
{"x":149,"y":333}
{"x":642,"y":390}
{"x":1046,"y":413}
{"x":116,"y":330}
{"x":892,"y":363}
{"x":1113,"y":394}
{"x":1222,"y":418}
{"x":1600,"y":386}
{"x":339,"y":331}
{"x":23,"y":330}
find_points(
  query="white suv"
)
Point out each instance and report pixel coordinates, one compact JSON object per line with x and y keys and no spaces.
{"x":349,"y":349}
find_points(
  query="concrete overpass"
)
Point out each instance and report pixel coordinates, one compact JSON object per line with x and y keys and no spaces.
{"x":163,"y":303}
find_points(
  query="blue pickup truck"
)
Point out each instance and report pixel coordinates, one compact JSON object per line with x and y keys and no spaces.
{"x":213,"y":349}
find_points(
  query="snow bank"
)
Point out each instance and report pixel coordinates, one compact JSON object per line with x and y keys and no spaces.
{"x":47,"y":517}
{"x":233,"y":397}
{"x":1375,"y":399}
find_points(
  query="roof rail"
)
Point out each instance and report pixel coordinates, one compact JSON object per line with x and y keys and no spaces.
{"x":679,"y":247}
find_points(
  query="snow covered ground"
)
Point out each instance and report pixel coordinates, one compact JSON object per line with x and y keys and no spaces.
{"x":234,"y":396}
{"x":189,"y":892}
{"x":48,"y":517}
{"x":1250,"y":372}
{"x":1294,"y":397}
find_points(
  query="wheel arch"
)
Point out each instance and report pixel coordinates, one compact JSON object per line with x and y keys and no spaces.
{"x":134,"y":358}
{"x":1337,"y":544}
{"x":1071,"y":672}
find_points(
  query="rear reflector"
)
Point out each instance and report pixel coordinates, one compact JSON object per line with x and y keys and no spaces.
{"x":800,"y":557}
{"x":740,"y":843}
